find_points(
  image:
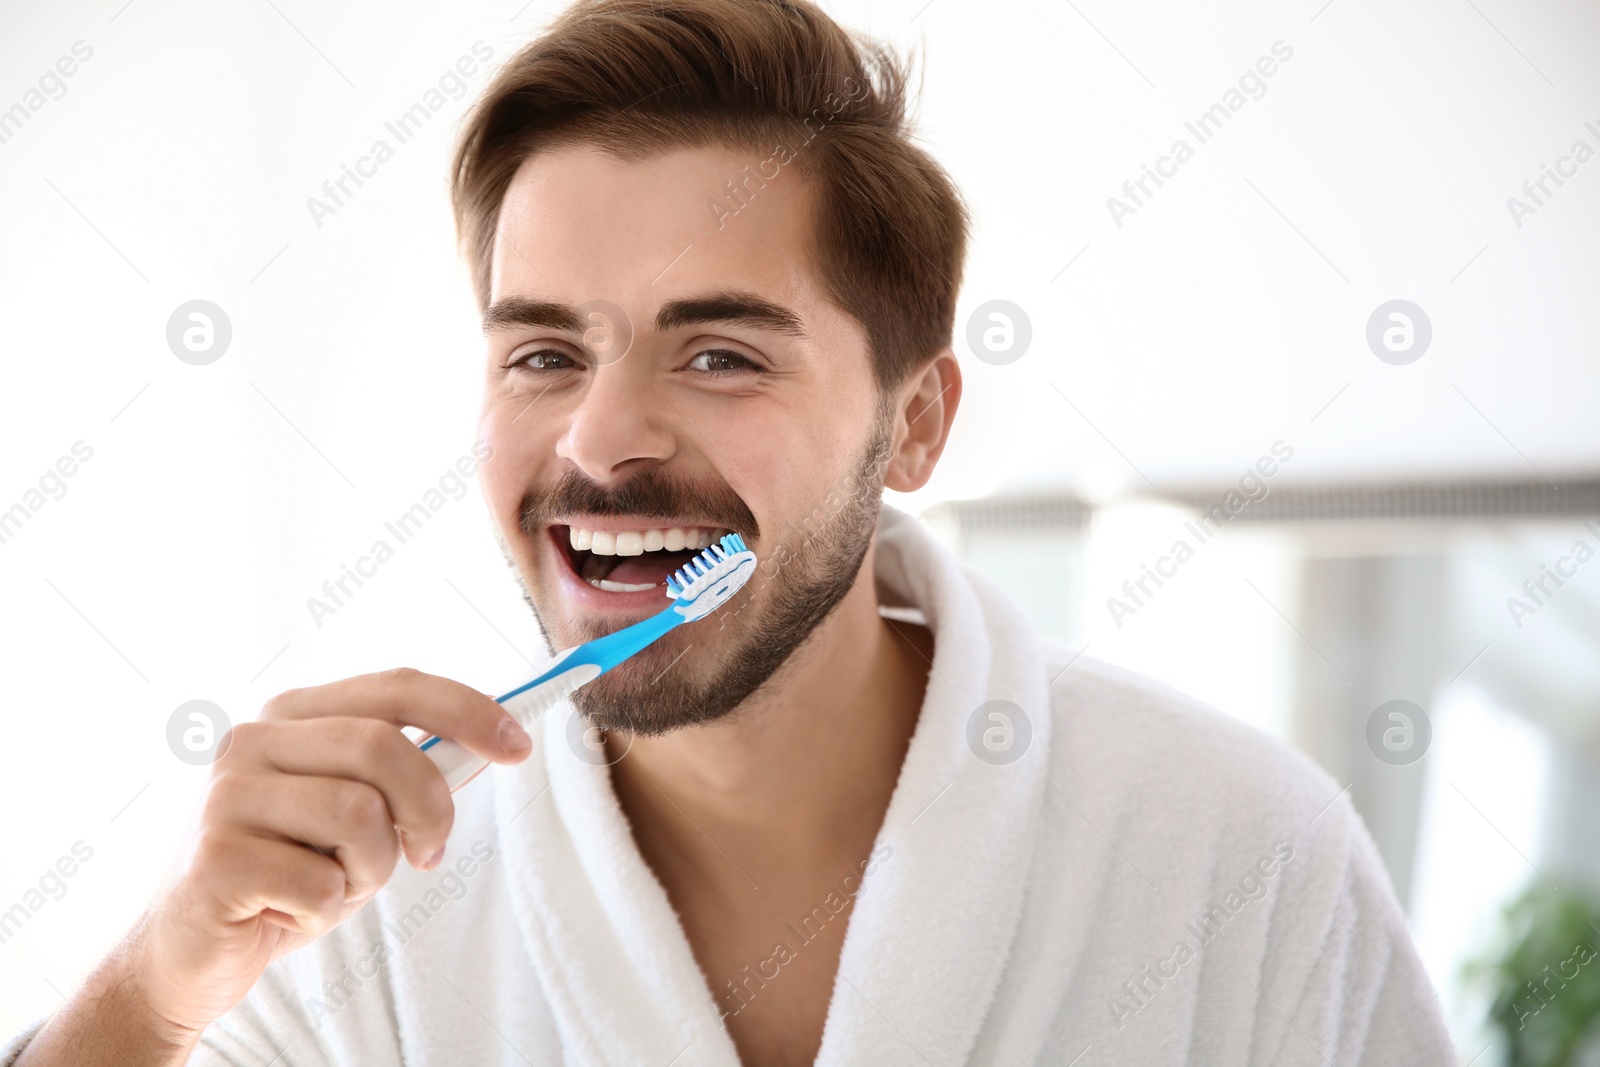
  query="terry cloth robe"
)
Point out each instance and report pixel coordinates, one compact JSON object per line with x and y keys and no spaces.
{"x":1108,"y":873}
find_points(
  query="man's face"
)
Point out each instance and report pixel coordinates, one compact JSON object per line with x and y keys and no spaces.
{"x":744,"y":402}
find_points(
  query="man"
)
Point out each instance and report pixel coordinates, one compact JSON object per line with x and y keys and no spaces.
{"x":858,"y":816}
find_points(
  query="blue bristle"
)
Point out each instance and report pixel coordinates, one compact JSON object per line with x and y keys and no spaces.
{"x":706,"y":562}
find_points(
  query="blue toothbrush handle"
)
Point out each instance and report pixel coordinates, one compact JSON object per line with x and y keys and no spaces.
{"x":606,"y":652}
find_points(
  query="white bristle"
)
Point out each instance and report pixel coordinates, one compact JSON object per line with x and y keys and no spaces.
{"x":709,"y":578}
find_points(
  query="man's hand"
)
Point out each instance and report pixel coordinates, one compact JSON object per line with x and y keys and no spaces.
{"x":307,"y":811}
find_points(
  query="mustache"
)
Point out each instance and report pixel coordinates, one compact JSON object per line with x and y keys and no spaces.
{"x":652,"y":494}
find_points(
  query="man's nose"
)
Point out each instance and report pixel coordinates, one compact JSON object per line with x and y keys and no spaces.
{"x":618,"y":426}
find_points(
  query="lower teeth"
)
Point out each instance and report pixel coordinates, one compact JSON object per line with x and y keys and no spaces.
{"x":619,"y":587}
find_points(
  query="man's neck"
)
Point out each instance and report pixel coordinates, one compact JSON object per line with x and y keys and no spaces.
{"x":799,"y":777}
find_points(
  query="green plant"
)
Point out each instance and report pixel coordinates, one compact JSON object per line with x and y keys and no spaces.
{"x":1544,"y":977}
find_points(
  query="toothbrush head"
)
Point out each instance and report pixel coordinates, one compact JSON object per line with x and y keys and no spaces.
{"x":709,"y":580}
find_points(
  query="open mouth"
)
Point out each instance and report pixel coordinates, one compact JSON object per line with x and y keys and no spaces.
{"x":631,"y":560}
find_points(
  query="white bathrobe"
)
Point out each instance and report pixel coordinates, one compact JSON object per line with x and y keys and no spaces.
{"x":1149,"y":883}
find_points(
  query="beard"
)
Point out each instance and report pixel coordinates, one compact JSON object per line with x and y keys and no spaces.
{"x":700,"y":673}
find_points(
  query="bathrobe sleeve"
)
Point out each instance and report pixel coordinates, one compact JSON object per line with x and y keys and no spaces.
{"x":1310,"y":964}
{"x":1345,"y":985}
{"x":12,"y":1049}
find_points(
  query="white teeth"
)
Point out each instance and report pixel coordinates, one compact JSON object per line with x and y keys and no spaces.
{"x":636,"y":542}
{"x":618,"y":587}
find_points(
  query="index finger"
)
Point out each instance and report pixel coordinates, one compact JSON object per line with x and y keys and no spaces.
{"x":406,"y":697}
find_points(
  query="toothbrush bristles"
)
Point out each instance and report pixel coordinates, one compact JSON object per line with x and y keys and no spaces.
{"x":709,"y":561}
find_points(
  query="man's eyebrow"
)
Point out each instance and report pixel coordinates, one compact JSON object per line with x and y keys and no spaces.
{"x":520,"y":311}
{"x":746,"y":309}
{"x":733,"y":306}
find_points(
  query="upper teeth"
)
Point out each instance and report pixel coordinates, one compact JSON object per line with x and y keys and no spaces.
{"x":636,"y":542}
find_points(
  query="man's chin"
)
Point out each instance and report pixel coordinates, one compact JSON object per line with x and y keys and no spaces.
{"x":650,"y":694}
{"x":658,"y":689}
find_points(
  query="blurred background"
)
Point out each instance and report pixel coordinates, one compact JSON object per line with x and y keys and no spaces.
{"x":1341,"y":346}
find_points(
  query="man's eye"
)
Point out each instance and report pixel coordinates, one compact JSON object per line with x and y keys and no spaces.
{"x":721,"y":361}
{"x":542,"y":359}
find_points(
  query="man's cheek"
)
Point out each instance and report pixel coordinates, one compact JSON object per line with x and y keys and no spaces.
{"x":503,"y":484}
{"x":520,"y":452}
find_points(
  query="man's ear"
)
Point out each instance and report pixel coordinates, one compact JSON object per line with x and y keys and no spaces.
{"x":925,"y":406}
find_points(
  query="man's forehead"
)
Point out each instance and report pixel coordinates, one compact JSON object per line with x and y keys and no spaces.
{"x":577,"y":224}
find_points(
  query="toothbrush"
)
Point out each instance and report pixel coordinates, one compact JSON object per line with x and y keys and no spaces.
{"x":698,"y":588}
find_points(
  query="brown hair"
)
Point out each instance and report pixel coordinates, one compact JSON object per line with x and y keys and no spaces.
{"x":639,"y":77}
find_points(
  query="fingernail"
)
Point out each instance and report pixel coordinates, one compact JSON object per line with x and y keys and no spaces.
{"x":433,"y":860}
{"x":513,"y":738}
